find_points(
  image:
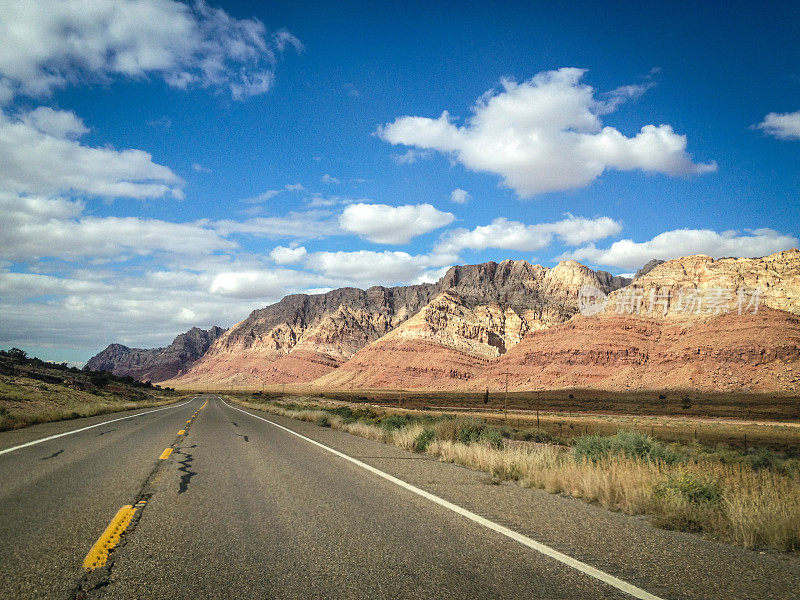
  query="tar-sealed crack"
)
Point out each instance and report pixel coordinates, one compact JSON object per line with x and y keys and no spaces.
{"x":53,"y":455}
{"x":185,"y":468}
{"x":105,"y":432}
{"x":93,"y":583}
{"x":246,"y":437}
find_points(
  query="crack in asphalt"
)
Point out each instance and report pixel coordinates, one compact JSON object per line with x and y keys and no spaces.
{"x":186,"y":478}
{"x":92,"y":582}
{"x":53,"y":455}
{"x":105,"y":432}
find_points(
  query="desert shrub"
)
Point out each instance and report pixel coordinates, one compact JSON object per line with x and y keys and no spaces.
{"x":393,"y":422}
{"x":626,"y":443}
{"x":491,"y":437}
{"x":323,"y":421}
{"x":592,"y":448}
{"x":424,"y":439}
{"x":691,"y":488}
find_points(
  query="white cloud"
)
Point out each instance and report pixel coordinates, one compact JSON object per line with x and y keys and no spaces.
{"x":261,"y":283}
{"x":48,"y":43}
{"x":57,"y":123}
{"x":628,"y":254}
{"x":411,"y":156}
{"x":311,"y":224}
{"x":365,"y":268}
{"x":328,"y":179}
{"x":39,"y":154}
{"x":384,"y":224}
{"x":282,"y":255}
{"x":545,"y":135}
{"x":512,"y":235}
{"x":200,"y":168}
{"x":785,"y":126}
{"x":459,"y":196}
{"x":35,"y":227}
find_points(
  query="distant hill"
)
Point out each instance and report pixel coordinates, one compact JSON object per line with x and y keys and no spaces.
{"x":156,"y":364}
{"x":35,"y":391}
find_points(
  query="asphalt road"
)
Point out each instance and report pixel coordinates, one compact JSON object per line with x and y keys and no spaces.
{"x":247,"y":505}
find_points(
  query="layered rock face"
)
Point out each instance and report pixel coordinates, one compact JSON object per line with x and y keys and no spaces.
{"x":156,"y":364}
{"x":477,"y":310}
{"x":689,"y":323}
{"x":483,"y":311}
{"x":699,"y":286}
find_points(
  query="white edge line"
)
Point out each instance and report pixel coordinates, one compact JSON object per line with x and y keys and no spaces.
{"x":522,"y":539}
{"x":58,"y":435}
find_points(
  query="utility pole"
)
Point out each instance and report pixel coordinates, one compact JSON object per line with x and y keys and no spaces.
{"x":505,"y":403}
{"x":538,"y":404}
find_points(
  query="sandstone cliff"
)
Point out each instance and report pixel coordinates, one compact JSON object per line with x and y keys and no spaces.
{"x":478,"y":310}
{"x":693,"y":323}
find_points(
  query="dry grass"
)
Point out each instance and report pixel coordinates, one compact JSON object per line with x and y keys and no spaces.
{"x":747,"y":507}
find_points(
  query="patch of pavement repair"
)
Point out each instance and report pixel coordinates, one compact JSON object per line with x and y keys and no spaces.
{"x":185,"y":464}
{"x":92,"y":583}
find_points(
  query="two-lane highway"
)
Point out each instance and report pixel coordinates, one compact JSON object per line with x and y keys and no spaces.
{"x":231,"y":503}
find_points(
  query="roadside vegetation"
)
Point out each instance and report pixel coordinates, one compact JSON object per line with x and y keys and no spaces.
{"x":747,"y":497}
{"x":34,"y":391}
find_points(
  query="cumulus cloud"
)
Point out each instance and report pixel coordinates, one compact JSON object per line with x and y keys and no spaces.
{"x":785,"y":126}
{"x":513,"y":235}
{"x":545,"y":135}
{"x":49,"y":43}
{"x":628,"y":254}
{"x":365,"y":268}
{"x":35,"y":227}
{"x":39,"y":153}
{"x":384,"y":224}
{"x":282,"y":255}
{"x":260,"y":283}
{"x":459,"y":196}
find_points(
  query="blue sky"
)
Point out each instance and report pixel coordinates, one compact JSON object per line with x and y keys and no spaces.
{"x":166,"y":165}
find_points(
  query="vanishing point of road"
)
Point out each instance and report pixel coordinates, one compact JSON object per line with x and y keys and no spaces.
{"x":203,"y":499}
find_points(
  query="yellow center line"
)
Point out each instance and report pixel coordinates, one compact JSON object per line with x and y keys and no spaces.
{"x":98,"y":555}
{"x":165,"y":454}
{"x":182,"y":432}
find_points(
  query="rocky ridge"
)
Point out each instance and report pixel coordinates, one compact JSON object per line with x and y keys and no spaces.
{"x":156,"y":364}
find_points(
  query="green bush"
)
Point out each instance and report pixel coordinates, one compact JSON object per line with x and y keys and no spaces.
{"x":323,"y":421}
{"x":491,"y":437}
{"x":690,"y":488}
{"x":591,"y":447}
{"x":469,"y":432}
{"x":424,"y":439}
{"x":626,"y":443}
{"x":393,"y":422}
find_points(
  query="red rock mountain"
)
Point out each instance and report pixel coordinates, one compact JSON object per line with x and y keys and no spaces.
{"x":480,"y":309}
{"x":693,"y":322}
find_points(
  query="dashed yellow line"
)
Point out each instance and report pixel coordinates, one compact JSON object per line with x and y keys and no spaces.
{"x":98,"y":555}
{"x":165,"y":454}
{"x":182,"y":432}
